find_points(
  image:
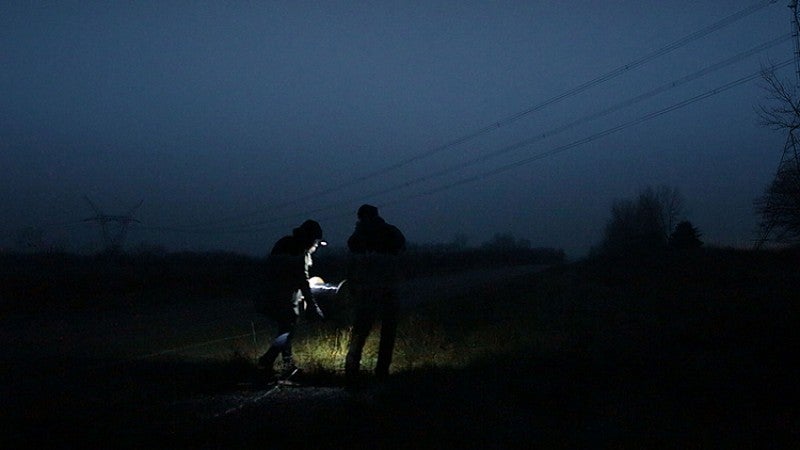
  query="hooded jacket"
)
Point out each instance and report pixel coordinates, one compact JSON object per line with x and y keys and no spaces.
{"x":287,"y":270}
{"x":375,"y":246}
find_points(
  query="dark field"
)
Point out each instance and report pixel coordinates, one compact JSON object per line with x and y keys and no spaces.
{"x":691,"y":350}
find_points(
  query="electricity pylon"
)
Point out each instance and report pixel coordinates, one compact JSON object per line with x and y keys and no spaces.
{"x":789,"y":165}
{"x":112,"y":240}
{"x":790,"y":159}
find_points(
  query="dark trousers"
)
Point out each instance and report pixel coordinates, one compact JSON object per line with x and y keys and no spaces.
{"x":372,"y":302}
{"x":282,"y":344}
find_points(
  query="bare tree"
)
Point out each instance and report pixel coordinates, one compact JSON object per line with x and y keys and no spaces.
{"x":783,"y":112}
{"x":671,"y":206}
{"x":685,"y":237}
{"x":779,"y":206}
{"x":645,"y":223}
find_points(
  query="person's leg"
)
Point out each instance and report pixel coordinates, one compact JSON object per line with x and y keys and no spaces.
{"x":282,"y":344}
{"x":388,"y":334}
{"x":287,"y":328}
{"x":267,"y":360}
{"x":364,"y":318}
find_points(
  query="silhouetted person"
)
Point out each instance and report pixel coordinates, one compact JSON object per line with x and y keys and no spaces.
{"x":373,"y":273}
{"x":287,"y":290}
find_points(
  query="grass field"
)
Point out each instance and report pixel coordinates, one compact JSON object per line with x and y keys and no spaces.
{"x":681,"y":350}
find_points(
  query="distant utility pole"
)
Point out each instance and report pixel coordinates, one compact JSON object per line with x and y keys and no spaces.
{"x":112,"y":241}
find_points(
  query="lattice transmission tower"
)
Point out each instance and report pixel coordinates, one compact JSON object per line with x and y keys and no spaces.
{"x":113,"y":227}
{"x":789,"y":165}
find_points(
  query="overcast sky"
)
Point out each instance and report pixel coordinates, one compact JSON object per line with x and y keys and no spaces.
{"x":232,"y":122}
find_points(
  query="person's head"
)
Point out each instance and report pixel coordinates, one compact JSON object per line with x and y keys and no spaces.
{"x":309,"y":232}
{"x":366,"y":212}
{"x":316,"y":244}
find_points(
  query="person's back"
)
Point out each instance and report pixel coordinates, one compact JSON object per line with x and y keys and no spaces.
{"x":374,"y":235}
{"x":286,"y":264}
{"x":374,"y":246}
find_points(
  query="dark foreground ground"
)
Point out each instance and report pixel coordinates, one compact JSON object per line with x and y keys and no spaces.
{"x":693,"y":351}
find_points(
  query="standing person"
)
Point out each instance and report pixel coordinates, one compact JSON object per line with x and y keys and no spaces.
{"x":287,"y":290}
{"x":373,"y":273}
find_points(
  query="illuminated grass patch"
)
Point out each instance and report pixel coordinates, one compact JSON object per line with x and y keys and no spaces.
{"x":421,"y":342}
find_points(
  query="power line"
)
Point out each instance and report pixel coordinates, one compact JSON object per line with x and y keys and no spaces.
{"x":726,"y":21}
{"x":560,"y":149}
{"x":505,"y":168}
{"x":248,"y":228}
{"x":585,"y":119}
{"x":591,"y":138}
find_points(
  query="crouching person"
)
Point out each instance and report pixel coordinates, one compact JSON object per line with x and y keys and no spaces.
{"x":373,"y":272}
{"x":287,"y":293}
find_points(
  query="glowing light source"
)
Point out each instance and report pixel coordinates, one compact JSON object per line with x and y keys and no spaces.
{"x":318,"y":285}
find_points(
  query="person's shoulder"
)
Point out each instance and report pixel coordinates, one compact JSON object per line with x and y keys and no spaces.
{"x":286,"y":245}
{"x":394,"y":230}
{"x":395,"y":239}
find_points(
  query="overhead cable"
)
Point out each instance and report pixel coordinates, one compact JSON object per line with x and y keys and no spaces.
{"x":726,"y":21}
{"x":246,"y":228}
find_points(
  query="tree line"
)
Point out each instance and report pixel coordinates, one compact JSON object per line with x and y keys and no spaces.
{"x":650,"y":222}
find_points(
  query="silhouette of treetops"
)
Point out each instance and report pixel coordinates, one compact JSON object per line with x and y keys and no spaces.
{"x":685,"y":237}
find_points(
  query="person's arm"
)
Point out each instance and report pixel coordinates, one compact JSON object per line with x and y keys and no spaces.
{"x":356,"y":243}
{"x":311,"y":302}
{"x":308,"y":295}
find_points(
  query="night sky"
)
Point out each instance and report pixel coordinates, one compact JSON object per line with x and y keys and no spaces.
{"x":232,"y":122}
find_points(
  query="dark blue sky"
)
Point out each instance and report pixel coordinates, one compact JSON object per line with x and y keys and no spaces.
{"x":235,"y":121}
